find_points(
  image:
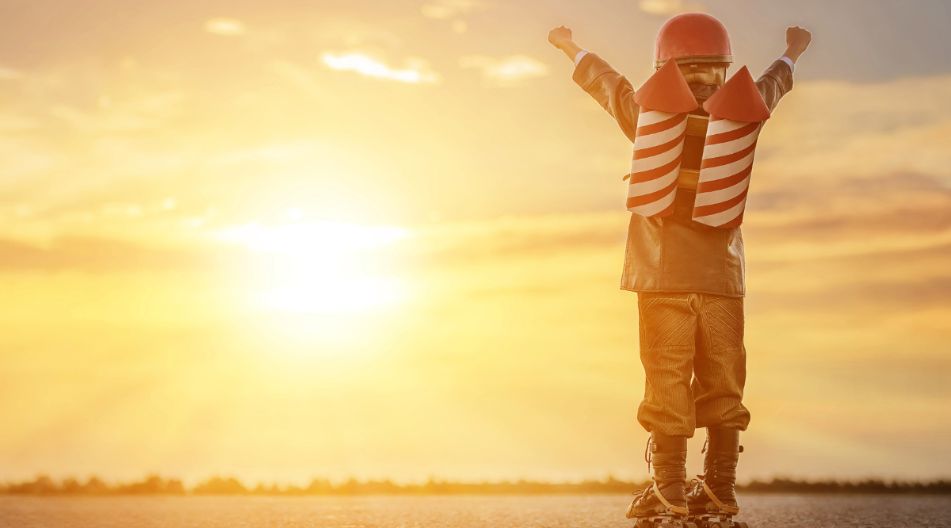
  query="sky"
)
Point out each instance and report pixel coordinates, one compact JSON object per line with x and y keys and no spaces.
{"x":294,"y":239}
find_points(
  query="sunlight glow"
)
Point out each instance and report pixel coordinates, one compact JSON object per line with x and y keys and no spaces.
{"x":321,"y":267}
{"x":332,"y":295}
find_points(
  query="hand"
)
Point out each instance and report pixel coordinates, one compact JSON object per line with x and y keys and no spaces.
{"x":797,"y":40}
{"x":560,"y":37}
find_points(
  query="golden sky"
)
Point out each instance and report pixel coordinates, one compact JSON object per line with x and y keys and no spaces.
{"x":384,"y":239}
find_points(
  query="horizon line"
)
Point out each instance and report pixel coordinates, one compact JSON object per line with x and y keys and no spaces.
{"x":154,"y":484}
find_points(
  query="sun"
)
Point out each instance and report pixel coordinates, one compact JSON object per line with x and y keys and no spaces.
{"x":321,"y":268}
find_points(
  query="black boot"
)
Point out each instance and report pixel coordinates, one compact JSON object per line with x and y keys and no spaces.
{"x":715,"y":492}
{"x":666,"y":497}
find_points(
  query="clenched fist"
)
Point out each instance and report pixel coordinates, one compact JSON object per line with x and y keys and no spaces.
{"x":797,"y":40}
{"x":560,"y":37}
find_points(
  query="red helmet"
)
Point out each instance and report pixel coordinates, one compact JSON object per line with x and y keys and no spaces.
{"x":692,"y":38}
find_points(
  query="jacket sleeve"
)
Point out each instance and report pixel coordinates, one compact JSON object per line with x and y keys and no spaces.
{"x":610,"y":89}
{"x":775,"y":82}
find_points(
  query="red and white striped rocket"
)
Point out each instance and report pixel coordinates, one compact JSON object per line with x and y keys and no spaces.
{"x":737,"y":112}
{"x":664,"y":101}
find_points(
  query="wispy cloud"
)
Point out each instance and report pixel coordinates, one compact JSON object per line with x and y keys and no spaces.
{"x":669,"y":7}
{"x":9,"y":74}
{"x":103,"y":255}
{"x":415,"y":71}
{"x":506,"y":70}
{"x":825,"y":128}
{"x":227,"y":27}
{"x":147,"y":111}
{"x":358,"y":33}
{"x":17,"y":123}
{"x":446,"y":9}
{"x":454,"y":11}
{"x":297,"y":75}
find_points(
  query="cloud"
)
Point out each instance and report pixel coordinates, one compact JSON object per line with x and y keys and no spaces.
{"x":446,"y":9}
{"x":116,"y":116}
{"x":516,"y":237}
{"x":297,"y":75}
{"x":227,"y":27}
{"x":361,"y":34}
{"x":17,"y":123}
{"x":669,"y":7}
{"x":9,"y":74}
{"x":104,"y":255}
{"x":847,"y":130}
{"x":454,"y":11}
{"x":416,"y":71}
{"x":506,"y":70}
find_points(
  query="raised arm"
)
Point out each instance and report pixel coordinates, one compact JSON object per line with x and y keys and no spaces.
{"x":609,"y":88}
{"x":777,"y":80}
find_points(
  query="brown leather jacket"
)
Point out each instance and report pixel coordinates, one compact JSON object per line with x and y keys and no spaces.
{"x":675,"y":254}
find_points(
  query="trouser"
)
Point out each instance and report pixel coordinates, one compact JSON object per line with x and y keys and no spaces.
{"x":694,"y":360}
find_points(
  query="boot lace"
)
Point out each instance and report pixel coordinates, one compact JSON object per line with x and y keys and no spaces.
{"x":695,"y":486}
{"x":648,"y":457}
{"x":647,"y":453}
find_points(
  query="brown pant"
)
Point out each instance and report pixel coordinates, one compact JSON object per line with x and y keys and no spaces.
{"x":695,"y":362}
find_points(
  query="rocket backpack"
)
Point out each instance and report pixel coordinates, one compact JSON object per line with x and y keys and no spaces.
{"x":737,"y":113}
{"x":664,"y":101}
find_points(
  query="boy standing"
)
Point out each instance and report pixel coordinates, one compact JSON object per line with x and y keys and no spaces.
{"x":689,"y":278}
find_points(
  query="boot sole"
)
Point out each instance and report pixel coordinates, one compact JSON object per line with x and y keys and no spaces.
{"x":716,"y":521}
{"x":662,"y":521}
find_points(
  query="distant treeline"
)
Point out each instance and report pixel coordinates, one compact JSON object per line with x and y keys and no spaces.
{"x":156,"y":485}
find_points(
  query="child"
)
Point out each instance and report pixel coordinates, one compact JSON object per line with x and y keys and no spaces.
{"x":689,"y":278}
